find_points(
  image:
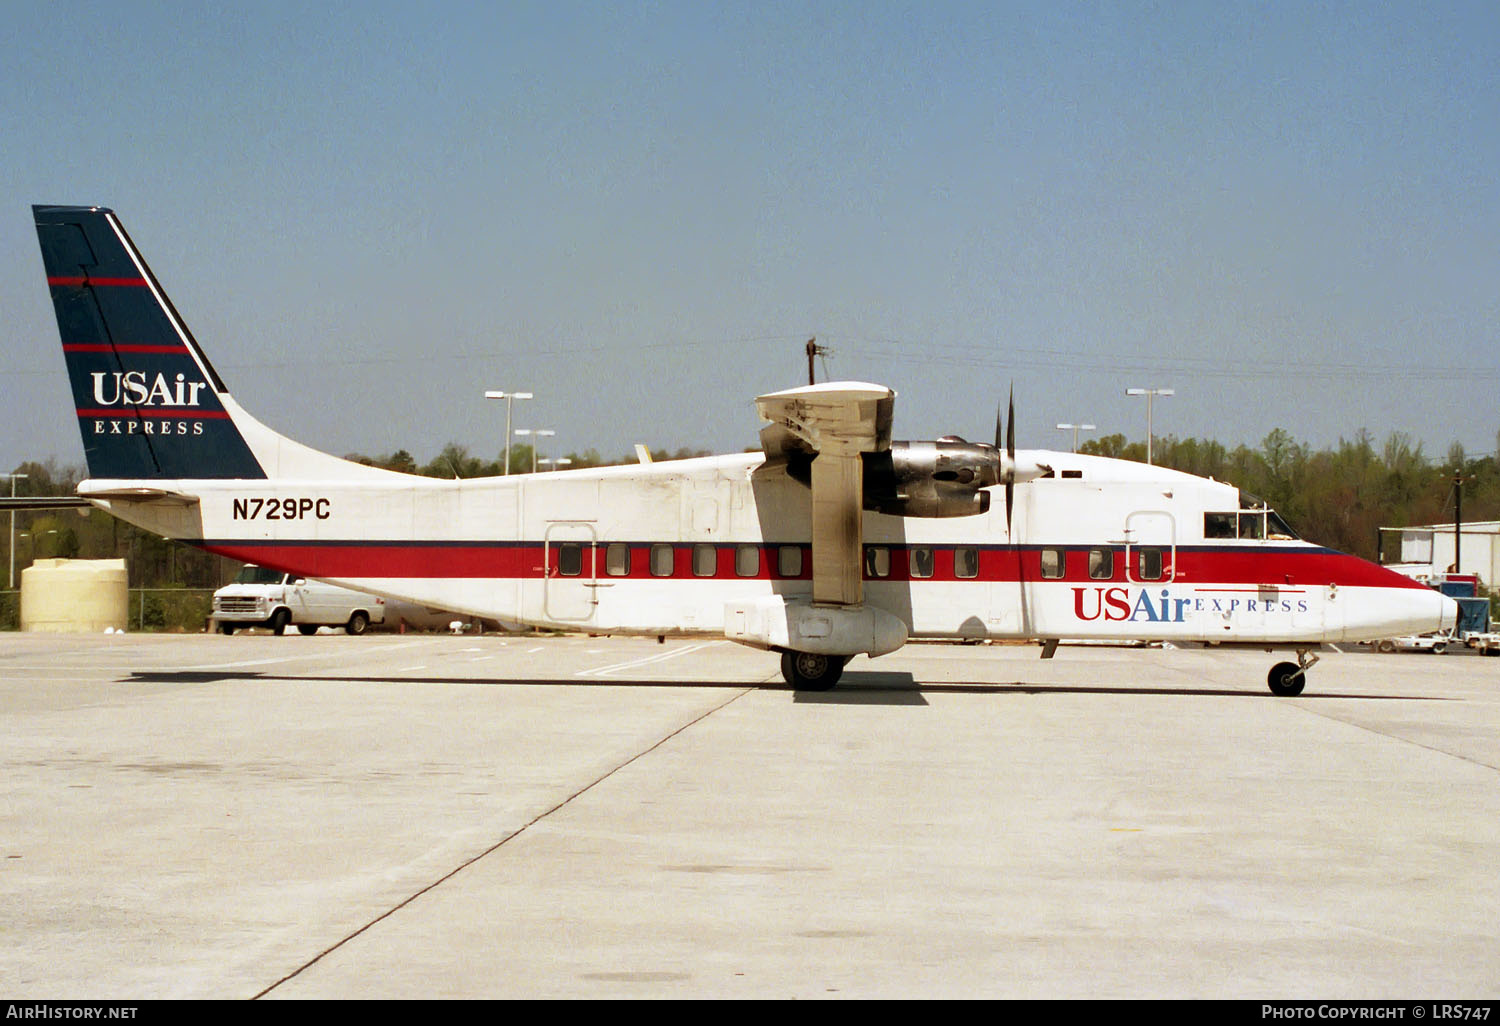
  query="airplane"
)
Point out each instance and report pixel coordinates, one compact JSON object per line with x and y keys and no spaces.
{"x":833,"y":541}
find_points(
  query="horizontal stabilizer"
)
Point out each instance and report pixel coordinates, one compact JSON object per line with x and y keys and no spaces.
{"x":136,"y":494}
{"x":41,"y":502}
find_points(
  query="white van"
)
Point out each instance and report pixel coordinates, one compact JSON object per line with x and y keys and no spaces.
{"x":269,"y":598}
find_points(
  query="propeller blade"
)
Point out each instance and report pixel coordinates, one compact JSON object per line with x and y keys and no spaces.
{"x":1010,"y":427}
{"x":1010,"y":451}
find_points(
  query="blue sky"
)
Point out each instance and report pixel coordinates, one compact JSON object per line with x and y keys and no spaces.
{"x":370,"y":213}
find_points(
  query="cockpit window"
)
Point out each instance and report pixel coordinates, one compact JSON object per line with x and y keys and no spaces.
{"x":1277,"y":528}
{"x":1220,"y":525}
{"x":1254,"y":521}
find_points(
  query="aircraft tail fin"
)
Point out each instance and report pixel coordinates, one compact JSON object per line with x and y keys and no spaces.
{"x":149,"y":403}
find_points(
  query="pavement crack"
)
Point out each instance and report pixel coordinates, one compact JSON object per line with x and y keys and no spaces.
{"x":1391,"y":735}
{"x":564,"y":803}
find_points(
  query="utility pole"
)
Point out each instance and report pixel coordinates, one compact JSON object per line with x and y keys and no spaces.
{"x":1458,"y":520}
{"x":12,"y":585}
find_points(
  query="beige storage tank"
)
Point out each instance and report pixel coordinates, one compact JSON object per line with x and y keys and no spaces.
{"x":74,"y":595}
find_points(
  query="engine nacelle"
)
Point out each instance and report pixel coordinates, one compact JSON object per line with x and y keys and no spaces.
{"x":945,"y":478}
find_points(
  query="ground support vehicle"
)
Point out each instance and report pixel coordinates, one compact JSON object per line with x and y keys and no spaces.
{"x":260,"y":597}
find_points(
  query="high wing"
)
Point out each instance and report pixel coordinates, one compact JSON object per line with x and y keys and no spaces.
{"x":834,"y":423}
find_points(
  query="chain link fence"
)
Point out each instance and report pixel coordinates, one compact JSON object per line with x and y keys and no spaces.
{"x":173,"y":610}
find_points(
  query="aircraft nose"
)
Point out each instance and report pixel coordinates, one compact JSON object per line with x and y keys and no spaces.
{"x":1447,"y":614}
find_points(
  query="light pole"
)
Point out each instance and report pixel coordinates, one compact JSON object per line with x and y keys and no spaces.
{"x":561,"y":461}
{"x":537,"y":434}
{"x":11,"y":586}
{"x":1150,"y":394}
{"x":508,"y":396}
{"x":1075,"y":428}
{"x":36,"y":539}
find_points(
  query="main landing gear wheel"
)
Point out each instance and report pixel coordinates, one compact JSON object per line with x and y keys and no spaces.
{"x":807,"y":671}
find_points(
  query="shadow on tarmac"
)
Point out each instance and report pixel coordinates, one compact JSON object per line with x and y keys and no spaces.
{"x":855,"y":688}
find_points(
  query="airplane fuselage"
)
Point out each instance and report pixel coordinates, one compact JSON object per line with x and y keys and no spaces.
{"x":1103,"y":549}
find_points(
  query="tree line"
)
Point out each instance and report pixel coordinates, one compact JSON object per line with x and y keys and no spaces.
{"x":1338,"y":497}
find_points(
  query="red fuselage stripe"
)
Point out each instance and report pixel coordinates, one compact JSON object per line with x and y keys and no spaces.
{"x":1201,"y":569}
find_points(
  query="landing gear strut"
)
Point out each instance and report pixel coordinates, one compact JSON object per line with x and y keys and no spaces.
{"x":808,"y":671}
{"x":1288,"y":679}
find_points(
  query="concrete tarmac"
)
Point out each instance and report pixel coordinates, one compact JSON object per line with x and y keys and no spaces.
{"x":504,"y":817}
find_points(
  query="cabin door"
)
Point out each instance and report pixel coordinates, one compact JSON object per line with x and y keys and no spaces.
{"x":1150,"y":547}
{"x":571,"y":587}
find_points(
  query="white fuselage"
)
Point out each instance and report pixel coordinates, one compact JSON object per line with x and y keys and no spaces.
{"x":1103,"y":549}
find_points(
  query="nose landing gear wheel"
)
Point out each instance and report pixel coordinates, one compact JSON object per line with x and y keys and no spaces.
{"x":1287,"y":679}
{"x":807,"y":671}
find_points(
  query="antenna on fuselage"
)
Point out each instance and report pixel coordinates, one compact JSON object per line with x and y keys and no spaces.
{"x":814,"y":350}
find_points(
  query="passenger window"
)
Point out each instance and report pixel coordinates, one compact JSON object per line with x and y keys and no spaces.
{"x":1149,"y":564}
{"x":877,"y":561}
{"x":705,"y":560}
{"x":921,"y":562}
{"x":1054,"y":563}
{"x":789,"y":561}
{"x":966,"y":563}
{"x":747,"y":561}
{"x":1101,"y":564}
{"x":661,"y":560}
{"x":1218,"y":525}
{"x":617,"y":559}
{"x":570,"y":559}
